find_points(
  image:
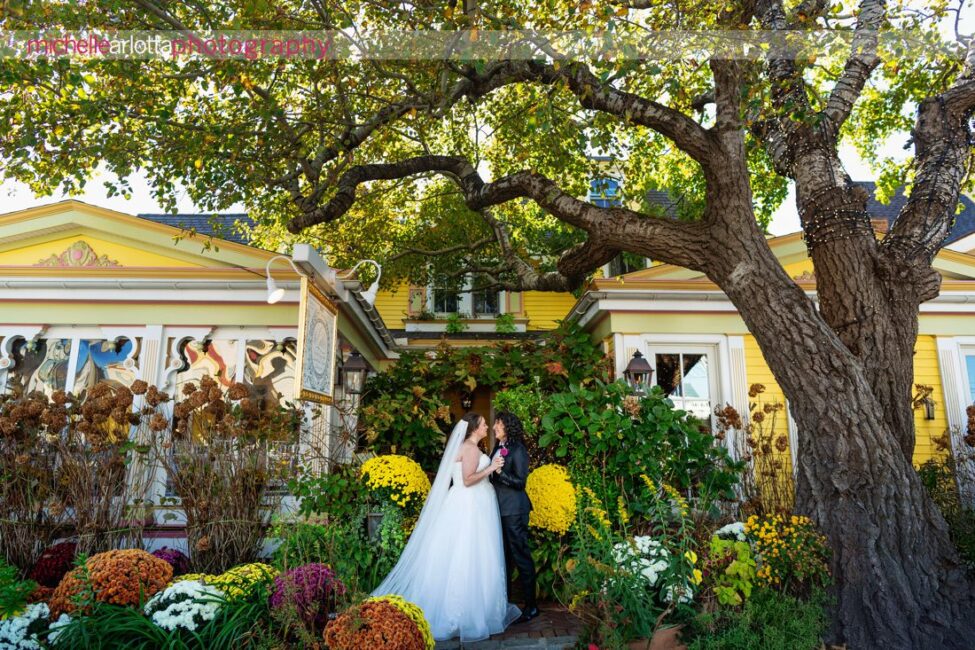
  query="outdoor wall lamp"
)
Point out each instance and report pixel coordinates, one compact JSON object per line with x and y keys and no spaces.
{"x":638,"y":373}
{"x":354,"y":374}
{"x":923,"y":399}
{"x":370,"y":294}
{"x":274,"y":292}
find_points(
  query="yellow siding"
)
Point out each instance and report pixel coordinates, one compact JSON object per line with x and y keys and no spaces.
{"x":119,"y":253}
{"x":393,"y":306}
{"x":927,"y":372}
{"x":773,"y":471}
{"x":806,"y":266}
{"x":544,"y":309}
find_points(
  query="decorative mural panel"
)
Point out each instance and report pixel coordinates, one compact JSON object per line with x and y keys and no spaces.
{"x":39,"y":365}
{"x":269,"y":369}
{"x":317,"y":320}
{"x":79,"y":254}
{"x":217,"y":359}
{"x":101,"y":360}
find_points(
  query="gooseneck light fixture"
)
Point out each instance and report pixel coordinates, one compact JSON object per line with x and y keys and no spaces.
{"x":274,"y":292}
{"x":370,"y":294}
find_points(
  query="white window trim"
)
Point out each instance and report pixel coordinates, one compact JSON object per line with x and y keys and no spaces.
{"x":954,"y":382}
{"x":728,"y":389}
{"x":465,"y":302}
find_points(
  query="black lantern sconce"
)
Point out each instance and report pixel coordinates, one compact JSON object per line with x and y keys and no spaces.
{"x":354,"y":374}
{"x":923,"y":400}
{"x":638,"y":373}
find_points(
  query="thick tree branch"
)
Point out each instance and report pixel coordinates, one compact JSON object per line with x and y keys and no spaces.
{"x":788,"y":88}
{"x":472,"y":247}
{"x":610,"y":229}
{"x":943,"y":141}
{"x":861,"y":63}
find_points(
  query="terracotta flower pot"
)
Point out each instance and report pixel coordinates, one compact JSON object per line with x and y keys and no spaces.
{"x":666,"y":638}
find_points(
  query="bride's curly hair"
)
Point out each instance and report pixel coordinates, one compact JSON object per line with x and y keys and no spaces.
{"x":513,"y":429}
{"x":473,"y":421}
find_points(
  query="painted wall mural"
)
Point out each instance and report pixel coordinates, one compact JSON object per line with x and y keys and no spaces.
{"x":40,"y":365}
{"x":101,"y":360}
{"x":217,"y":359}
{"x":269,"y":369}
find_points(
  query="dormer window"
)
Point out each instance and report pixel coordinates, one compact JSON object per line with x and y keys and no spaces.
{"x":605,"y":192}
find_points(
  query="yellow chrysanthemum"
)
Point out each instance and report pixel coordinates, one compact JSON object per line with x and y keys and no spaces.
{"x":413,"y":612}
{"x":241,"y":580}
{"x":401,"y":477}
{"x":553,"y":498}
{"x":200,"y":577}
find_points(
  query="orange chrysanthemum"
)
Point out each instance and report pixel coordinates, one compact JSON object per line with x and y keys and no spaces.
{"x":117,"y":577}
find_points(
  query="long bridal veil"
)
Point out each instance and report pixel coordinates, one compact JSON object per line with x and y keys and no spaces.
{"x":413,"y":562}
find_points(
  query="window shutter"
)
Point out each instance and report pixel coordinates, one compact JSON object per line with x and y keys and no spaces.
{"x":514,"y":303}
{"x":417,"y":301}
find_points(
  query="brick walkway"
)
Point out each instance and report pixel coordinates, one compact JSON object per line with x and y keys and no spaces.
{"x":555,"y":628}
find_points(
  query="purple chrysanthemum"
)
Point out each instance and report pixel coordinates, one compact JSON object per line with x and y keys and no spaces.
{"x":312,"y":589}
{"x":176,"y":558}
{"x":54,"y":562}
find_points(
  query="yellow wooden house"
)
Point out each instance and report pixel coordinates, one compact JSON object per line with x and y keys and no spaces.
{"x":699,"y":347}
{"x":89,"y":294}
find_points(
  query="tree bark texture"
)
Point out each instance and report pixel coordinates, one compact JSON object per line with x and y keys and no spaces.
{"x":899,"y":581}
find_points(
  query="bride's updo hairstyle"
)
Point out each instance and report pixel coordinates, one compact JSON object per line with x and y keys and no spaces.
{"x":473,"y":421}
{"x":513,"y":429}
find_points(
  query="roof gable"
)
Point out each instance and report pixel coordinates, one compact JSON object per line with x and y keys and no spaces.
{"x":80,"y":234}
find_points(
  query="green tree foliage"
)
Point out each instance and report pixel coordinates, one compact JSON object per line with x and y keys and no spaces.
{"x":226,"y":132}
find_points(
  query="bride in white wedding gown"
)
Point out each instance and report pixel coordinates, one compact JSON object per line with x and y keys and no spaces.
{"x":453,"y":564}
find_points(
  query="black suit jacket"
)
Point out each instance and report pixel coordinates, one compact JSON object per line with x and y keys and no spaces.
{"x":510,"y":482}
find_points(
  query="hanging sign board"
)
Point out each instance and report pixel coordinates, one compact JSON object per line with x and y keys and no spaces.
{"x":317,"y":331}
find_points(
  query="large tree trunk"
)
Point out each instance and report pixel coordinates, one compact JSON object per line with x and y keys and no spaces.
{"x":898,"y":579}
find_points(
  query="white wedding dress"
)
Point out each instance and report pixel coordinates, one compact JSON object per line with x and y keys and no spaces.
{"x":453,"y":564}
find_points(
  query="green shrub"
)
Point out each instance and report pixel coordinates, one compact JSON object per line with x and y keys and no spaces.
{"x":602,"y":428}
{"x":455,"y":325}
{"x":505,"y":324}
{"x":13,"y":590}
{"x":938,"y":477}
{"x":767,"y":621}
{"x":342,"y":545}
{"x":730,"y":570}
{"x":406,"y":410}
{"x":337,"y":495}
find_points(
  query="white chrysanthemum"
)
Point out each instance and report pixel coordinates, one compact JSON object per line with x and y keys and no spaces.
{"x":55,"y":630}
{"x":22,"y":632}
{"x":187,"y":605}
{"x":735,"y":530}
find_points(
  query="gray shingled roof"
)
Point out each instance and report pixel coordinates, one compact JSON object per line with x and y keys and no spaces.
{"x":964,"y":221}
{"x":221,"y":226}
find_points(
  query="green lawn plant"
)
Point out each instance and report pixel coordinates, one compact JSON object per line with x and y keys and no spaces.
{"x":769,"y":620}
{"x":731,"y":570}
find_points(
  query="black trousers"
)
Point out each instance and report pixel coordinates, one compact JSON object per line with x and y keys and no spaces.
{"x":517,"y":553}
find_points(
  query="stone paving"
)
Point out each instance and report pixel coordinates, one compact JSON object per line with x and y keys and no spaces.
{"x":555,"y":628}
